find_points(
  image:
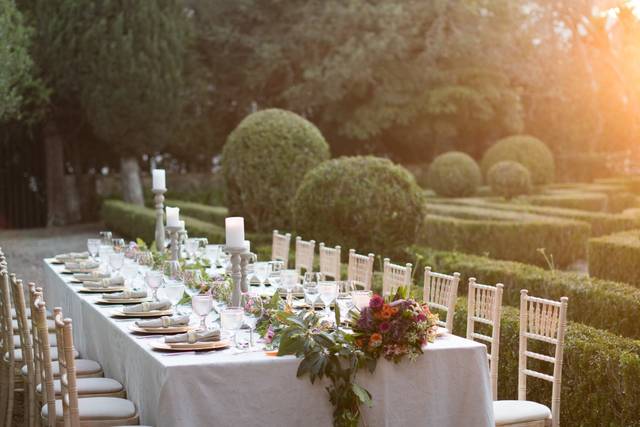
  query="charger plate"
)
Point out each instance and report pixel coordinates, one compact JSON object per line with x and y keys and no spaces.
{"x":152,"y":313}
{"x":123,"y":300}
{"x":160,"y":330}
{"x":210,"y":345}
{"x":101,"y":290}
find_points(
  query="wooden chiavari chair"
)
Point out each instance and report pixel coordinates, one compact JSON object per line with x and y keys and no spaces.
{"x":305,"y":254}
{"x":10,"y":379}
{"x":280,"y":247}
{"x":360,"y":269}
{"x":544,"y":321}
{"x":330,"y":261}
{"x":395,"y":276}
{"x":440,"y":292}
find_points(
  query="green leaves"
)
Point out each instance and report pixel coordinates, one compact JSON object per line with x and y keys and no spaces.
{"x":363,"y":395}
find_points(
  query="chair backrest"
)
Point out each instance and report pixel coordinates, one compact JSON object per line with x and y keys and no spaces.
{"x":43,"y":357}
{"x":305,"y":254}
{"x":68,"y":381}
{"x":280,"y":247}
{"x":441,"y":291}
{"x":34,"y":296}
{"x":8,"y":345}
{"x":330,"y":261}
{"x":395,"y":276}
{"x":485,"y":307}
{"x":360,"y":269}
{"x":542,"y":320}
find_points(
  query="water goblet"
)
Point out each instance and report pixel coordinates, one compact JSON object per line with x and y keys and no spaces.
{"x":328,"y":292}
{"x":172,"y":271}
{"x":253,"y":311}
{"x":174,"y":292}
{"x":261,"y":271}
{"x":288,"y":281}
{"x":106,"y":237}
{"x":93,"y":245}
{"x":116,"y":261}
{"x":191,"y":246}
{"x":231,"y":320}
{"x":212,"y":252}
{"x":118,"y":245}
{"x":129,"y":273}
{"x":344,"y":299}
{"x":202,"y":306}
{"x":311,"y":293}
{"x":201,"y":248}
{"x":361,"y":298}
{"x":153,"y":279}
{"x":193,"y":280}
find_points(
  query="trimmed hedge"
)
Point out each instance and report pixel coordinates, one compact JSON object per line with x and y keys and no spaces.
{"x":454,"y":174}
{"x":600,"y":303}
{"x":618,"y":196}
{"x":211,"y":214}
{"x":616,"y":257}
{"x":594,"y":202}
{"x":509,"y":179}
{"x":600,"y":373}
{"x":601,"y":223}
{"x":504,"y":235}
{"x":525,"y":149}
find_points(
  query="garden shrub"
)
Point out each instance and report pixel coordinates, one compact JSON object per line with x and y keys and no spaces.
{"x":600,"y":373}
{"x":630,"y":183}
{"x":616,"y":257}
{"x":509,"y":179}
{"x":211,"y":214}
{"x":365,"y":203}
{"x":454,"y":174}
{"x":595,"y":202}
{"x":591,"y":300}
{"x":264,"y":161}
{"x":527,"y":150}
{"x":506,"y":235}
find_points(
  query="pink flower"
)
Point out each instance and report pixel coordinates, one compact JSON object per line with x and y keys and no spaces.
{"x":268,"y":337}
{"x":384,"y":327}
{"x":376,"y":302}
{"x":421,"y":317}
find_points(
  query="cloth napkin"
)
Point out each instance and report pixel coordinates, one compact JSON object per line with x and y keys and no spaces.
{"x":164,"y":322}
{"x":148,"y":306}
{"x":106,"y":283}
{"x":193,"y":337}
{"x":82,"y":265}
{"x":94,"y":276}
{"x":72,"y":255}
{"x":126,"y":294}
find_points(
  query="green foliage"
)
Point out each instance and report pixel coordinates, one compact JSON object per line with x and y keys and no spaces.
{"x":593,"y":360}
{"x":595,"y":202}
{"x":211,"y":214}
{"x":527,"y":150}
{"x":365,"y":203}
{"x":509,"y":179}
{"x":264,"y":160}
{"x":454,"y":174}
{"x":616,"y":257}
{"x":504,"y":235}
{"x":591,"y":300}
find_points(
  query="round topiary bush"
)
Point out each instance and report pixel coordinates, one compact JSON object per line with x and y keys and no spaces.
{"x":454,"y":174}
{"x":527,"y":150}
{"x":509,"y":179}
{"x":263,"y":162}
{"x":365,"y":203}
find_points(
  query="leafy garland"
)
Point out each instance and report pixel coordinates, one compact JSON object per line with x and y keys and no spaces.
{"x":338,"y":355}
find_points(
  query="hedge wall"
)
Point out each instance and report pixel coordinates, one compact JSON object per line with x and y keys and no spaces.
{"x":504,"y":235}
{"x":601,"y":223}
{"x":591,"y":300}
{"x":618,"y":196}
{"x":600,"y":375}
{"x":211,"y":214}
{"x":616,"y":257}
{"x":587,"y":201}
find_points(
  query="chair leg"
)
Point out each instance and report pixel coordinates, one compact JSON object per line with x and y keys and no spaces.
{"x":4,"y":393}
{"x":11,"y":395}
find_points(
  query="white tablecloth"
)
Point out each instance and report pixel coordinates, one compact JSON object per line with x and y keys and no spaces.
{"x":447,"y":386}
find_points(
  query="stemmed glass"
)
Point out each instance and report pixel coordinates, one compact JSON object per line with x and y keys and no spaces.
{"x":328,"y":293}
{"x":106,"y":238}
{"x":361,"y":298}
{"x":93,"y":245}
{"x":212,"y":252}
{"x":202,"y":306}
{"x":311,"y":293}
{"x":116,"y":261}
{"x":253,"y":311}
{"x":288,"y":281}
{"x":231,"y":320}
{"x":261,"y":271}
{"x":172,"y":271}
{"x":153,"y":279}
{"x":201,"y":247}
{"x":118,"y":245}
{"x":344,"y":300}
{"x":174,"y":293}
{"x":129,"y":273}
{"x":193,"y":280}
{"x":191,"y":247}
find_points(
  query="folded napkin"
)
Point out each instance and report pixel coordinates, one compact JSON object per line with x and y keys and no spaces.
{"x":82,"y":265}
{"x":148,"y":306}
{"x":94,"y":276}
{"x":193,"y":337}
{"x":106,"y":283}
{"x":164,"y":322}
{"x":126,"y":294}
{"x":72,"y":255}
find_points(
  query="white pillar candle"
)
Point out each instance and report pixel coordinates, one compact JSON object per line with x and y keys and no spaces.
{"x":247,"y":245}
{"x":173,"y":217}
{"x":181,"y":224}
{"x":234,"y":228}
{"x":158,"y":179}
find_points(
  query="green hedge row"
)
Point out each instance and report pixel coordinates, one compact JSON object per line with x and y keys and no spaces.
{"x":616,"y":257}
{"x":601,"y":223}
{"x":587,"y":201}
{"x":619,"y":197}
{"x":603,"y":304}
{"x":506,"y":235}
{"x":211,"y":214}
{"x":600,"y":374}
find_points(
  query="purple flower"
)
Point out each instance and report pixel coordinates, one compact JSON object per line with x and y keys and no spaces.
{"x":376,"y":302}
{"x":384,"y":327}
{"x":421,"y":317}
{"x":365,"y":321}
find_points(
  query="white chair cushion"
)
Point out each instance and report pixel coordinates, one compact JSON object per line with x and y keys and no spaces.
{"x":53,"y":352}
{"x":98,"y":408}
{"x":52,"y":340}
{"x":89,"y":386}
{"x":518,"y":411}
{"x":84,"y":367}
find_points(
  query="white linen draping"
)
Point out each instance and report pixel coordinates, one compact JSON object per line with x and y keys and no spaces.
{"x":448,"y":386}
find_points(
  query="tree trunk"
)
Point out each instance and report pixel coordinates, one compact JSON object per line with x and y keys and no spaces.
{"x":72,"y":199}
{"x":54,"y":155}
{"x":131,"y":184}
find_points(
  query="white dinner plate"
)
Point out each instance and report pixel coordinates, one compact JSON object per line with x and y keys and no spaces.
{"x":152,"y":313}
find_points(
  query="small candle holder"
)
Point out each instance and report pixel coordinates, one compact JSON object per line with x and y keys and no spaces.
{"x":159,"y":204}
{"x":174,"y":234}
{"x":238,"y":272}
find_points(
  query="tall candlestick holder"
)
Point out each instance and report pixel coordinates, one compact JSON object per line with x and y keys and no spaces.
{"x":238,"y":272}
{"x":174,"y":234}
{"x":159,"y":204}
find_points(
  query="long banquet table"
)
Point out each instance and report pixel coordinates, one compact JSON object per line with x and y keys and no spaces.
{"x":447,"y":386}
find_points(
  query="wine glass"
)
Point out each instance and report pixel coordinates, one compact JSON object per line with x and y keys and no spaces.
{"x":172,"y":271}
{"x":93,"y":245}
{"x":344,"y":300}
{"x":231,"y":320}
{"x":201,"y":248}
{"x":261,"y":271}
{"x":212,"y":252}
{"x":118,"y":245}
{"x":328,"y":292}
{"x":202,"y":306}
{"x":106,"y":237}
{"x":288,"y":281}
{"x":193,"y":280}
{"x":174,"y":293}
{"x":361,"y":298}
{"x":153,"y":279}
{"x":311,"y":293}
{"x":116,"y":261}
{"x":191,"y":246}
{"x":129,"y":273}
{"x":253,"y":311}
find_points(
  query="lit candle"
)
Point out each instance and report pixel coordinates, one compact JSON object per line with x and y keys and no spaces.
{"x":234,"y":227}
{"x":173,"y":217}
{"x":247,"y":245}
{"x":158,"y":179}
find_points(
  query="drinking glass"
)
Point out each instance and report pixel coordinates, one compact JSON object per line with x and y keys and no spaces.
{"x":93,"y":245}
{"x":106,"y":237}
{"x":261,"y":271}
{"x":344,"y":300}
{"x":191,"y":247}
{"x":288,"y":281}
{"x":202,"y":306}
{"x":231,"y":320}
{"x":144,"y":260}
{"x":153,"y":279}
{"x":253,"y":311}
{"x":311,"y":293}
{"x":202,"y":246}
{"x":174,"y":293}
{"x":129,"y":273}
{"x":118,"y":245}
{"x":361,"y":298}
{"x":172,"y":271}
{"x":193,"y":280}
{"x":212,"y":252}
{"x":116,"y":261}
{"x":103,"y":254}
{"x":328,"y":292}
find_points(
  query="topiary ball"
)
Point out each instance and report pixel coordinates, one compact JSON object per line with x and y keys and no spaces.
{"x":365,"y":203}
{"x":509,"y":179}
{"x":527,"y":150}
{"x":454,"y":174}
{"x":263,"y":162}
